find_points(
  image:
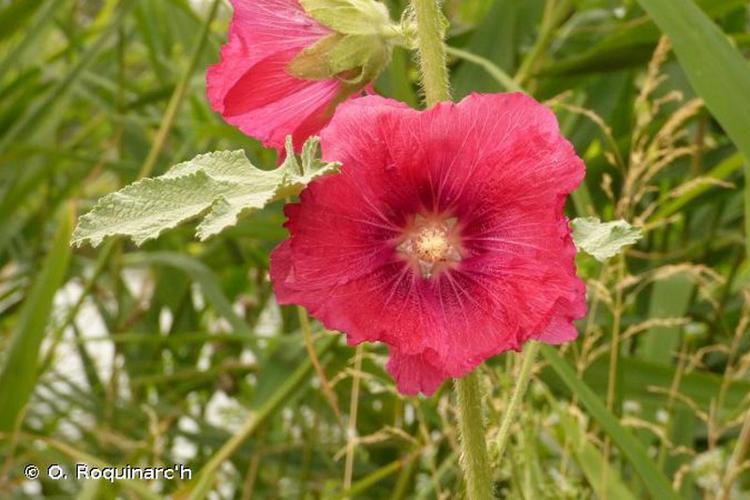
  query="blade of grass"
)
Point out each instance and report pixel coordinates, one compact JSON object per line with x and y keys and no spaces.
{"x":649,"y":383}
{"x":203,"y":482}
{"x":178,"y":96}
{"x":654,"y":481}
{"x":721,"y":171}
{"x":716,"y":70}
{"x":380,"y":474}
{"x":202,"y":275}
{"x":13,"y":17}
{"x":670,"y":298}
{"x":16,"y":14}
{"x":42,"y":108}
{"x":494,"y":41}
{"x":500,"y":76}
{"x":630,"y":44}
{"x":592,"y":464}
{"x":19,"y":373}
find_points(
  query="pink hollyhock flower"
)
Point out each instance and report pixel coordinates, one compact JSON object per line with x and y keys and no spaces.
{"x":252,"y":86}
{"x":443,"y":236}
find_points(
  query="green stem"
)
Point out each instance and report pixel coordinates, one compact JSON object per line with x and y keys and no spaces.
{"x":515,"y":399}
{"x":432,"y":65}
{"x":474,"y":459}
{"x":431,"y":51}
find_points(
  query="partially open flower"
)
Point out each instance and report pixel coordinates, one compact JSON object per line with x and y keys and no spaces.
{"x":443,"y":236}
{"x":288,"y":63}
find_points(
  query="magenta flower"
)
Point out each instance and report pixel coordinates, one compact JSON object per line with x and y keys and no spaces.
{"x":252,"y":86}
{"x":443,"y":236}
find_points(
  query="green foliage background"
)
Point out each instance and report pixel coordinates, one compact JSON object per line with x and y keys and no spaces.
{"x":176,"y":352}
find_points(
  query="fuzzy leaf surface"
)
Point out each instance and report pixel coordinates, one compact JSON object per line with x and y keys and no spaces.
{"x":603,"y":240}
{"x":221,"y":186}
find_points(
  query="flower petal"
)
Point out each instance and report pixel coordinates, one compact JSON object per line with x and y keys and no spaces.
{"x":415,"y":373}
{"x":498,"y":166}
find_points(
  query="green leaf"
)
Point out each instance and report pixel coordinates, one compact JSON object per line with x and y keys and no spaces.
{"x":19,"y":373}
{"x":654,"y":481}
{"x":670,"y":298}
{"x":494,"y":41}
{"x":716,"y":70}
{"x":629,"y":44}
{"x":603,"y":239}
{"x":649,"y":383}
{"x":221,"y":186}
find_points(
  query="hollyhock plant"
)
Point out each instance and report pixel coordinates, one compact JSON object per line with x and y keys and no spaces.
{"x":443,"y":236}
{"x":288,"y":63}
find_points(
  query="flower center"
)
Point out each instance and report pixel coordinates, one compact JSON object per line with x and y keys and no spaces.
{"x":431,"y":245}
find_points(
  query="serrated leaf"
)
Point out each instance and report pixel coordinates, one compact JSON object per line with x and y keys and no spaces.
{"x":222,"y":185}
{"x":603,"y":240}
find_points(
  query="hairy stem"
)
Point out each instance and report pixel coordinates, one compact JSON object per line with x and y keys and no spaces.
{"x":434,"y":71}
{"x":474,"y":459}
{"x":515,"y":399}
{"x":431,"y":51}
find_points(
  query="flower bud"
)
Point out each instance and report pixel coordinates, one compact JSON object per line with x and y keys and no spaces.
{"x":359,"y":47}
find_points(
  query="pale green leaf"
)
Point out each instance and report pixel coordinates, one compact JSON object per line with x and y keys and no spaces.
{"x":221,"y":186}
{"x":603,"y":239}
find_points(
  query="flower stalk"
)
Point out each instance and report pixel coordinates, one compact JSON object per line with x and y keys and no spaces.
{"x":434,"y":71}
{"x":474,"y":458}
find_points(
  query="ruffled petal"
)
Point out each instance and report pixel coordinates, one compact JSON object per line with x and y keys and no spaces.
{"x":498,"y":166}
{"x":415,"y":373}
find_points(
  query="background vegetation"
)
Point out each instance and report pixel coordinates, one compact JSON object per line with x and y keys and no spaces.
{"x":177,"y":353}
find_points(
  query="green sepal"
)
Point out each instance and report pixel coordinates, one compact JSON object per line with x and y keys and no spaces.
{"x":359,"y":47}
{"x":350,"y":17}
{"x":312,"y":63}
{"x":355,"y":59}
